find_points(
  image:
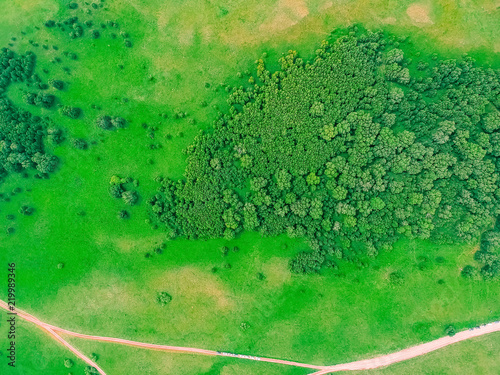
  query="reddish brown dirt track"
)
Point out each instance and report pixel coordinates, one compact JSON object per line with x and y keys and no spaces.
{"x":365,"y":364}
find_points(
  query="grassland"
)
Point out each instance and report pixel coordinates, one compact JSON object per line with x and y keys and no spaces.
{"x":107,"y":285}
{"x":36,"y":352}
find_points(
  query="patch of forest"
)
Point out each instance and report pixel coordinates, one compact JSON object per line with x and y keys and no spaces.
{"x":353,"y":149}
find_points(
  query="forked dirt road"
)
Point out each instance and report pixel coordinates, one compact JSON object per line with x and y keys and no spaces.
{"x":365,"y":364}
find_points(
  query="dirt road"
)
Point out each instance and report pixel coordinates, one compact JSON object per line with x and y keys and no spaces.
{"x":365,"y":364}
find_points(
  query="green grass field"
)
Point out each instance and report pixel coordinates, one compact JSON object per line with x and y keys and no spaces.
{"x":108,"y":287}
{"x":36,"y":352}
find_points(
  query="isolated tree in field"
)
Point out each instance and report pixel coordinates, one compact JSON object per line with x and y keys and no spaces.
{"x":163,"y":298}
{"x":130,"y":197}
{"x":71,"y":112}
{"x":469,"y":272}
{"x":450,"y":330}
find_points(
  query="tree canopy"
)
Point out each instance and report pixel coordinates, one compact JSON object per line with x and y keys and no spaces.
{"x":352,"y":150}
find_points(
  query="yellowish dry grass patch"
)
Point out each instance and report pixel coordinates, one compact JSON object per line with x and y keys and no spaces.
{"x":419,"y":14}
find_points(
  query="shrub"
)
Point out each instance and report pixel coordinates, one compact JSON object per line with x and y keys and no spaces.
{"x":116,"y":191}
{"x":307,"y":262}
{"x":119,"y":122}
{"x":71,"y":112}
{"x":469,"y":272}
{"x":396,"y":278}
{"x":130,"y":197}
{"x":450,"y":330}
{"x":80,"y":143}
{"x":104,"y":122}
{"x":123,"y":214}
{"x":26,"y":210}
{"x":68,"y":363}
{"x":163,"y":298}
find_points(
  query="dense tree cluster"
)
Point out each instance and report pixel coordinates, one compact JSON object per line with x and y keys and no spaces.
{"x":351,"y":150}
{"x":40,"y":99}
{"x":21,"y":134}
{"x":488,"y":256}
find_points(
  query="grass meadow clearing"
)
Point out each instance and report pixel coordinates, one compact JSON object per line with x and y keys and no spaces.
{"x":108,"y":287}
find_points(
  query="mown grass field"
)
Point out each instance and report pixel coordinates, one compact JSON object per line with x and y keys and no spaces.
{"x":108,"y":287}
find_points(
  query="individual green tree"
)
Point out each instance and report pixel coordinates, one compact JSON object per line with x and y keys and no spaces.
{"x":130,"y":197}
{"x":57,"y":84}
{"x":450,"y":330}
{"x":79,"y":143}
{"x":118,"y":122}
{"x":104,"y":122}
{"x":71,"y":112}
{"x":163,"y":298}
{"x":26,"y":210}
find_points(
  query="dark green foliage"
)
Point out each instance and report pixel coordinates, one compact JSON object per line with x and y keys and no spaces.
{"x":26,"y":210}
{"x":450,"y":330}
{"x":488,"y":255}
{"x":76,"y":32}
{"x":89,"y":370}
{"x":41,"y":99}
{"x":71,"y":112}
{"x":123,"y":214}
{"x":110,"y":123}
{"x":307,"y":262}
{"x":116,"y":191}
{"x":130,"y":197}
{"x":225,"y":251}
{"x":95,"y":34}
{"x":57,"y":84}
{"x":351,"y":150}
{"x":163,"y":298}
{"x":469,"y":272}
{"x":55,"y":136}
{"x":396,"y":278}
{"x":118,"y":122}
{"x":104,"y":122}
{"x":261,"y":276}
{"x":80,"y":143}
{"x":440,"y":260}
{"x":68,"y":363}
{"x":45,"y":163}
{"x":21,"y":134}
